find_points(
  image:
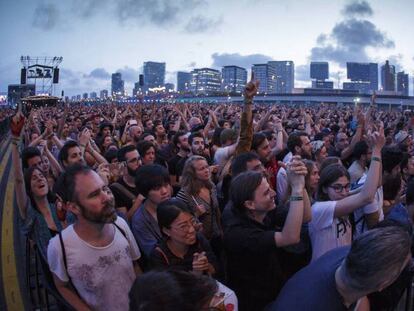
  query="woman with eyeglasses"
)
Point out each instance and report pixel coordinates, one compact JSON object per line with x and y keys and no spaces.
{"x":330,"y":226}
{"x":183,"y":247}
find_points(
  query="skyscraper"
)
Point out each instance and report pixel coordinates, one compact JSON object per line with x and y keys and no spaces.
{"x":117,"y":84}
{"x":234,"y":79}
{"x":183,"y":81}
{"x":282,"y":76}
{"x":205,"y":81}
{"x":319,"y":71}
{"x":103,"y":94}
{"x":388,"y":77}
{"x":402,"y":83}
{"x":363,"y":76}
{"x":267,"y":77}
{"x":154,"y":74}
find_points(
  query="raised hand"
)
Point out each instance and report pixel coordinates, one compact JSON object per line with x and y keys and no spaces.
{"x":251,"y":88}
{"x":84,"y":137}
{"x":17,"y":123}
{"x":296,"y":171}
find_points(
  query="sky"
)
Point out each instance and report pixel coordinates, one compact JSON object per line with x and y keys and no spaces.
{"x":99,"y":37}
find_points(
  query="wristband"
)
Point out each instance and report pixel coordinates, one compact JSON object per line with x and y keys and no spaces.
{"x":83,"y":146}
{"x":296,"y":198}
{"x":376,"y":159}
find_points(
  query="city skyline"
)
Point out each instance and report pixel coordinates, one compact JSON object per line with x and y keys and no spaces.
{"x":119,"y":36}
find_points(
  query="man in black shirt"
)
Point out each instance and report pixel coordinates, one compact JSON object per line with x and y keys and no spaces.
{"x":127,"y":198}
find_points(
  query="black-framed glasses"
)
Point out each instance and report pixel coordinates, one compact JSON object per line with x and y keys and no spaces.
{"x":338,"y":188}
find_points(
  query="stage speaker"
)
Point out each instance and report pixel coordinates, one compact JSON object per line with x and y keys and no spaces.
{"x":56,"y":75}
{"x":141,"y":80}
{"x":23,"y":76}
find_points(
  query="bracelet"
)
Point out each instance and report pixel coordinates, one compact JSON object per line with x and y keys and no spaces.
{"x":83,"y":146}
{"x":376,"y":159}
{"x":296,"y":198}
{"x":248,"y":101}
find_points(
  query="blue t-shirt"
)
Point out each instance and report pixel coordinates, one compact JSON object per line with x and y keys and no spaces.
{"x":313,"y":288}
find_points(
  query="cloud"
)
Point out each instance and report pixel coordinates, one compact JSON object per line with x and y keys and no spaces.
{"x":349,"y":40}
{"x":129,"y":74}
{"x":245,"y":61}
{"x":302,"y":72}
{"x":45,"y":16}
{"x":201,"y":24}
{"x":159,"y":13}
{"x":98,"y":73}
{"x":361,"y":8}
{"x":191,"y":65}
{"x":396,"y":60}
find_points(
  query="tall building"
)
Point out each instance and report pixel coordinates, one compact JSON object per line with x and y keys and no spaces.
{"x":402,"y":83}
{"x":282,"y":79}
{"x":117,"y":85}
{"x":363,"y":76}
{"x":183,"y":81}
{"x":103,"y":94}
{"x":205,"y":81}
{"x":388,"y":77}
{"x":266,"y":75}
{"x":85,"y":96}
{"x":234,"y":79}
{"x":154,"y":75}
{"x":93,"y":95}
{"x":319,"y":71}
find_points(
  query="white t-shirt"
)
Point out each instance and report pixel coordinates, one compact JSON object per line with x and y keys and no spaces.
{"x":102,"y":276}
{"x":221,"y":155}
{"x":327,"y":232}
{"x":374,"y":206}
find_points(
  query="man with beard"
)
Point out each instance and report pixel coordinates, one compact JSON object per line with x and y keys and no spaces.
{"x":127,"y":197}
{"x":180,"y":141}
{"x":93,"y":261}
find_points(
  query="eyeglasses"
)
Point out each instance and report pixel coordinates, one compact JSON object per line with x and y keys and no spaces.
{"x":185,"y":227}
{"x":338,"y":188}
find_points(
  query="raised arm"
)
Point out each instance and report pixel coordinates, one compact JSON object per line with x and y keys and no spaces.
{"x":291,"y":230}
{"x":16,"y":125}
{"x":366,"y":195}
{"x":246,"y":121}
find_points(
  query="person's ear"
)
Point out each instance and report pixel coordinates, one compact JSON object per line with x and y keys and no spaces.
{"x":166,"y":231}
{"x":249,"y":204}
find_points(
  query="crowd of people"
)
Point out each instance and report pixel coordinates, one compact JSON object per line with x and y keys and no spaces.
{"x":219,"y":207}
